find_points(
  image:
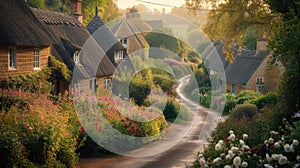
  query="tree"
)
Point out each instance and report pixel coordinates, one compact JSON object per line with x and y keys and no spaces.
{"x":286,"y":46}
{"x":229,"y":21}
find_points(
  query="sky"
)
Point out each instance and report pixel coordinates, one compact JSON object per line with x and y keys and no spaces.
{"x":123,"y":4}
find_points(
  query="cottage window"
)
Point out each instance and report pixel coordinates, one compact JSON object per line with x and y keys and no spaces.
{"x":12,"y":58}
{"x":107,"y":83}
{"x":119,"y":56}
{"x":36,"y":59}
{"x":76,"y":57}
{"x":259,"y":80}
{"x":92,"y":84}
{"x":233,"y":88}
{"x":124,"y":42}
{"x":77,"y":87}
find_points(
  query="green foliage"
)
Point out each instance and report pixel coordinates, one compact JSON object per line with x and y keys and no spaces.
{"x":246,"y":111}
{"x":34,"y":82}
{"x":41,"y":82}
{"x":229,"y":102}
{"x":246,"y":96}
{"x":174,"y":111}
{"x":269,"y":99}
{"x":205,"y":100}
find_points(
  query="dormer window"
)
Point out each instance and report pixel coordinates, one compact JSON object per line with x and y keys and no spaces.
{"x":119,"y":56}
{"x":76,"y":57}
{"x":124,"y":42}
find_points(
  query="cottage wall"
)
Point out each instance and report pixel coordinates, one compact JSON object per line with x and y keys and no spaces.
{"x":24,"y":60}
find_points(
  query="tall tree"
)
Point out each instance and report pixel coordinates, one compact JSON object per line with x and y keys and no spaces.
{"x":230,"y":20}
{"x":286,"y":46}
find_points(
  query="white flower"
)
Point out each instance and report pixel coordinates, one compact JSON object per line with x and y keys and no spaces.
{"x":295,"y":142}
{"x":288,"y":148}
{"x":277,"y":145}
{"x":268,"y":158}
{"x":242,"y":143}
{"x":221,"y":142}
{"x":231,"y":132}
{"x":237,"y":161}
{"x":268,"y":166}
{"x":266,"y":142}
{"x":245,"y":136}
{"x":298,"y":158}
{"x":202,"y":163}
{"x":228,"y":157}
{"x":246,"y":147}
{"x":282,"y":160}
{"x":227,"y":166}
{"x":218,"y":147}
{"x":244,"y":164}
{"x":217,"y":160}
{"x":230,"y":153}
{"x":234,"y":149}
{"x":297,"y":165}
{"x":271,"y":140}
{"x":232,"y":137}
{"x":276,"y":156}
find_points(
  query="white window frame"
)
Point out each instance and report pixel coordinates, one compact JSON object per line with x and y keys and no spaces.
{"x":119,"y":56}
{"x":107,"y":83}
{"x":76,"y":57}
{"x":37,"y":59}
{"x":12,"y":58}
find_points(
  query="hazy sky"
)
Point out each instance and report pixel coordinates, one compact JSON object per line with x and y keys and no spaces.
{"x":123,"y":4}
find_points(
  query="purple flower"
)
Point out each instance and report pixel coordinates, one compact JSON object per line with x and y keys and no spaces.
{"x":297,"y":114}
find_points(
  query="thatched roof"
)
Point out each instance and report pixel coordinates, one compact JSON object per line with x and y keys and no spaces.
{"x":105,"y":38}
{"x":69,"y":36}
{"x":19,"y":26}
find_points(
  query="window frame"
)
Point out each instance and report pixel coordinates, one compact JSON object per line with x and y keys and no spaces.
{"x":92,"y":84}
{"x":76,"y":57}
{"x":106,"y":84}
{"x":37,"y":59}
{"x":77,"y":87}
{"x":119,"y":56}
{"x":12,"y":58}
{"x":259,"y":80}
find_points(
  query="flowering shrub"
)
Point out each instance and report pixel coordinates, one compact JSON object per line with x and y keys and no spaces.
{"x":98,"y":114}
{"x":37,"y":132}
{"x":234,"y":152}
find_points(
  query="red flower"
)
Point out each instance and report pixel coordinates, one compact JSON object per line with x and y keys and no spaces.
{"x":82,"y":130}
{"x":131,"y":130}
{"x":122,"y":120}
{"x":78,"y":139}
{"x":125,"y":126}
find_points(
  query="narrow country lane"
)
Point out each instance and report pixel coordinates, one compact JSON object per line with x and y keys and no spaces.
{"x":177,"y":156}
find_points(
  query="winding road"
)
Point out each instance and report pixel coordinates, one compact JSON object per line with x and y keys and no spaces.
{"x":179,"y":155}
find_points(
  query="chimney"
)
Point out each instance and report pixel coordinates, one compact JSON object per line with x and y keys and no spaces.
{"x":76,"y":9}
{"x":262,"y":43}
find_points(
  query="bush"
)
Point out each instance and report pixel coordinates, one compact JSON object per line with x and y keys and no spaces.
{"x":205,"y":100}
{"x":229,"y":102}
{"x":266,"y":100}
{"x":246,"y":111}
{"x":246,"y":96}
{"x":42,"y":133}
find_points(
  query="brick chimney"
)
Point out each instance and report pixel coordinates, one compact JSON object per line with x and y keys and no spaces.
{"x":76,"y":9}
{"x":262,"y":43}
